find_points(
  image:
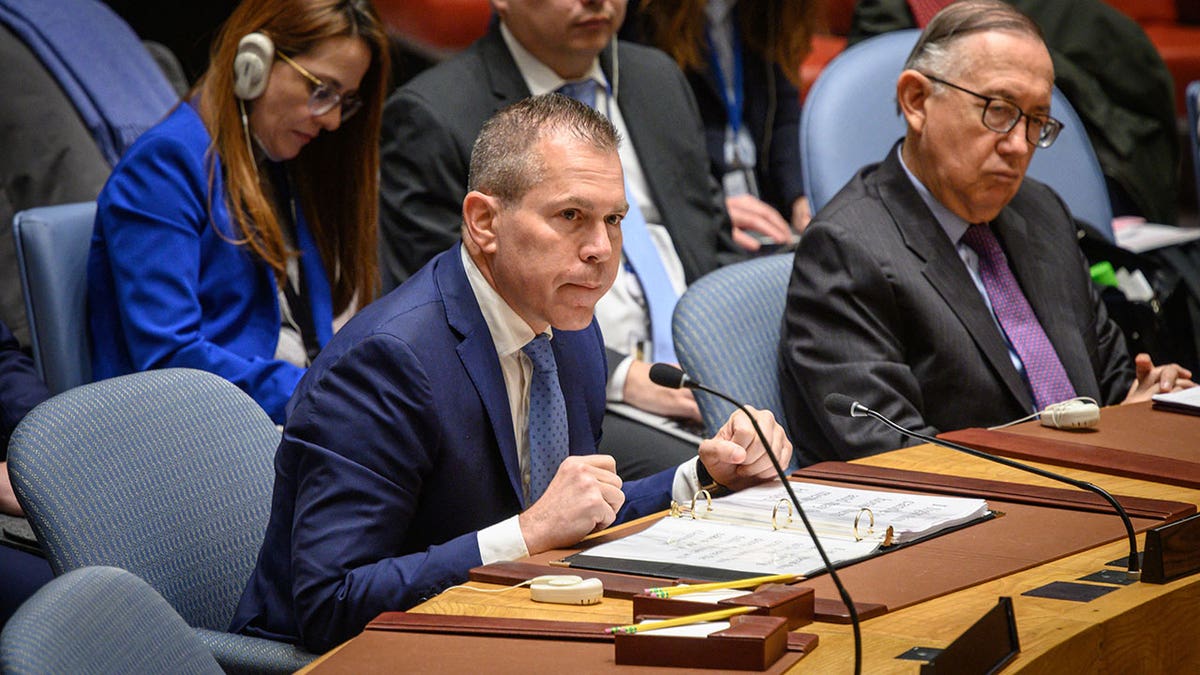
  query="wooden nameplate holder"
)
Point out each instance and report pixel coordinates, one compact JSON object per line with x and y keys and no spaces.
{"x":626,"y":586}
{"x":1172,"y":551}
{"x":750,"y":643}
{"x":794,"y":604}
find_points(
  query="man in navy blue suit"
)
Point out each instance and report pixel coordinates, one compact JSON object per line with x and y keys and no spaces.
{"x":407,"y":458}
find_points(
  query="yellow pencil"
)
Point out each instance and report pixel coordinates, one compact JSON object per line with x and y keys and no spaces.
{"x":679,"y":621}
{"x":671,"y":591}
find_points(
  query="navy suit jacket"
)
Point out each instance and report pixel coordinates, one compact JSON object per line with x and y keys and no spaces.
{"x":399,"y":448}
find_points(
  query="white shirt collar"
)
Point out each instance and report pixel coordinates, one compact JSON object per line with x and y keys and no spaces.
{"x":539,"y":77}
{"x":509,"y":331}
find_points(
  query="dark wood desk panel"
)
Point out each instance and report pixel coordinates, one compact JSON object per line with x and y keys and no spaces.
{"x":1132,"y":440}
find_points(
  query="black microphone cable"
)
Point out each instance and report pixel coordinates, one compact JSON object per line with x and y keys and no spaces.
{"x":666,"y":375}
{"x":844,"y":406}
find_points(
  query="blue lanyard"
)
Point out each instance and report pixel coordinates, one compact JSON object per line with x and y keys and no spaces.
{"x":733,"y":109}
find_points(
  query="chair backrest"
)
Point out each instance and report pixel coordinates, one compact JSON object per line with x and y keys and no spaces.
{"x":1193,"y":119}
{"x":52,"y":250}
{"x":101,"y":620}
{"x":165,"y":473}
{"x":726,"y":330}
{"x":849,"y":120}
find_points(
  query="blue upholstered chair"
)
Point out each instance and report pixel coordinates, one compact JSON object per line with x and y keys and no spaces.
{"x":1193,"y":118}
{"x":726,"y":331}
{"x":165,"y":473}
{"x":101,"y":620}
{"x":849,"y":120}
{"x":52,"y":250}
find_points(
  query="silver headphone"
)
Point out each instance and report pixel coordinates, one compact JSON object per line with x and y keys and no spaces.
{"x":252,"y":66}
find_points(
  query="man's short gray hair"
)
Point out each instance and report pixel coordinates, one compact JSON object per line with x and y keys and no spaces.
{"x":932,"y":53}
{"x":504,"y":163}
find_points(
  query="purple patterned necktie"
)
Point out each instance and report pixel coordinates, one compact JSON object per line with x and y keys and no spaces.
{"x":1047,"y":378}
{"x":548,"y":437}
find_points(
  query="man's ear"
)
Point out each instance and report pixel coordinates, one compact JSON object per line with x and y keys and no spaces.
{"x":480,"y":213}
{"x":912,"y":94}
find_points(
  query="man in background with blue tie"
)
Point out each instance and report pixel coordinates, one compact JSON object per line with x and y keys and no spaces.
{"x":939,"y":287}
{"x":676,"y":231}
{"x":455,"y":421}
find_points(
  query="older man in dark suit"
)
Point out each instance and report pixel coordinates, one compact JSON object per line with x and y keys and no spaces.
{"x":939,"y":287}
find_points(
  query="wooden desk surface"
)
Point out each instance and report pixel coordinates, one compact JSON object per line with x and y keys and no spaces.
{"x":1141,"y":628}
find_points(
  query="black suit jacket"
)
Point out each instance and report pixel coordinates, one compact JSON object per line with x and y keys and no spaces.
{"x":882,"y":309}
{"x":430,"y":125}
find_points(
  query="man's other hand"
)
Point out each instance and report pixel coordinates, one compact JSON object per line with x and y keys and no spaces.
{"x":736,"y":458}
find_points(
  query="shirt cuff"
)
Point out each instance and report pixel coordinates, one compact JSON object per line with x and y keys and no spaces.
{"x":616,"y":382}
{"x":504,"y":541}
{"x":686,"y":483}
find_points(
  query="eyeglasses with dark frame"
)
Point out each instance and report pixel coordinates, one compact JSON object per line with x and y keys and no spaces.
{"x":1001,"y":116}
{"x":324,"y":96}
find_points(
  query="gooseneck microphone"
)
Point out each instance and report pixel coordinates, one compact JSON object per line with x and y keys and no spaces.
{"x":666,"y":375}
{"x":844,"y":406}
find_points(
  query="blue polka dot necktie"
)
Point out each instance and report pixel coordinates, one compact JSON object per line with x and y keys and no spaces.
{"x":1047,"y":378}
{"x":548,"y":438}
{"x":640,"y":252}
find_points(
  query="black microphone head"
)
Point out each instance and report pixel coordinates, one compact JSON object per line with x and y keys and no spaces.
{"x":666,"y":375}
{"x":840,"y":405}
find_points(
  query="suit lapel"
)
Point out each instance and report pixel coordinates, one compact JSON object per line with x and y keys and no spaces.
{"x":477,"y":352}
{"x":945,"y":271}
{"x":504,"y":79}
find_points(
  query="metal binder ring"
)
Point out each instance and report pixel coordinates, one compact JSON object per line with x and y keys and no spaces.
{"x":871,"y":520}
{"x":707,"y":502}
{"x":775,"y":514}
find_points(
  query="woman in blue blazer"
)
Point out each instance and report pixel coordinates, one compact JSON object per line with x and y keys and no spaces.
{"x":230,"y":234}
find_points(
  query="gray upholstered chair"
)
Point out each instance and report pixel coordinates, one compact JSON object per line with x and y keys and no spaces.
{"x":850,"y":120}
{"x":726,"y":330}
{"x":167,"y":474}
{"x":101,"y":620}
{"x":52,"y":250}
